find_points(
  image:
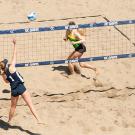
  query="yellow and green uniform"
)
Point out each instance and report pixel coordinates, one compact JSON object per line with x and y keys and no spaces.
{"x":73,"y":38}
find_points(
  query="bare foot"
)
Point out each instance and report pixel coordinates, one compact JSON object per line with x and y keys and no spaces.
{"x":77,"y":69}
{"x":97,"y":83}
{"x":70,"y":73}
{"x":10,"y":123}
{"x":97,"y":71}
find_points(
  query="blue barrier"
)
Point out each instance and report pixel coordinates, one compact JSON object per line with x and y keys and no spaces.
{"x":76,"y":60}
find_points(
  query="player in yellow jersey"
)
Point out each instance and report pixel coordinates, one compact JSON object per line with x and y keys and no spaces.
{"x":76,"y":37}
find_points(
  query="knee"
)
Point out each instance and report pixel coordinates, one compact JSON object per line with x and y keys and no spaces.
{"x":13,"y":105}
{"x":82,"y":65}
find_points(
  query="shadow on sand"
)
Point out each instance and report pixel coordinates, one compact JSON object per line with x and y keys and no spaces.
{"x":5,"y":126}
{"x":61,"y":68}
{"x":64,"y":70}
{"x":5,"y":91}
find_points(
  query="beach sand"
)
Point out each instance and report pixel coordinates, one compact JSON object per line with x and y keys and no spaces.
{"x":72,"y":105}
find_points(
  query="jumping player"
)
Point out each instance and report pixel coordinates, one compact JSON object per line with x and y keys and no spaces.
{"x":11,"y":76}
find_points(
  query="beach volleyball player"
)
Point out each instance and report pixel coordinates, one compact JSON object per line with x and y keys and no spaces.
{"x":76,"y":38}
{"x":11,"y":76}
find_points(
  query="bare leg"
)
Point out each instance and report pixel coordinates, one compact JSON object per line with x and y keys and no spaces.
{"x":82,"y":64}
{"x":77,"y":68}
{"x":86,"y":65}
{"x":13,"y":107}
{"x":75,"y":54}
{"x":71,"y":65}
{"x":71,"y":68}
{"x":27,"y":99}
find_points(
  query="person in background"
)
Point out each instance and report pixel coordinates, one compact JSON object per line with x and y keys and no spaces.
{"x":76,"y":37}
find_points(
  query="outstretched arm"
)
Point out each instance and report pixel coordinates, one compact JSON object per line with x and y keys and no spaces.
{"x":13,"y":61}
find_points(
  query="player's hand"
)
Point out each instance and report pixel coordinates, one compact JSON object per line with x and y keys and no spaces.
{"x":65,"y":39}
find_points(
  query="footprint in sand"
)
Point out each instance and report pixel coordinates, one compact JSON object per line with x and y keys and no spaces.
{"x":97,"y":83}
{"x":106,"y":129}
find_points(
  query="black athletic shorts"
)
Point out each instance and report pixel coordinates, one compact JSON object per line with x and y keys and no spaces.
{"x":81,"y":48}
{"x":19,"y":90}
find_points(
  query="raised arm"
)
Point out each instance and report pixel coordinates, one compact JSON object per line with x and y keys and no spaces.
{"x":13,"y":61}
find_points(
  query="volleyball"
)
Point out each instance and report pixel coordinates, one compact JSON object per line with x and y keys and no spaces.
{"x":32,"y":16}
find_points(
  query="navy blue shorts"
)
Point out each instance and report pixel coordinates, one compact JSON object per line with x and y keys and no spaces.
{"x":19,"y":90}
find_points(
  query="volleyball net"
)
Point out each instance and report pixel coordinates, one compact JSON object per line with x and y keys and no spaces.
{"x":45,"y":45}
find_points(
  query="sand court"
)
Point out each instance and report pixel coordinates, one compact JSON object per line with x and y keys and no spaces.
{"x":73,"y":105}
